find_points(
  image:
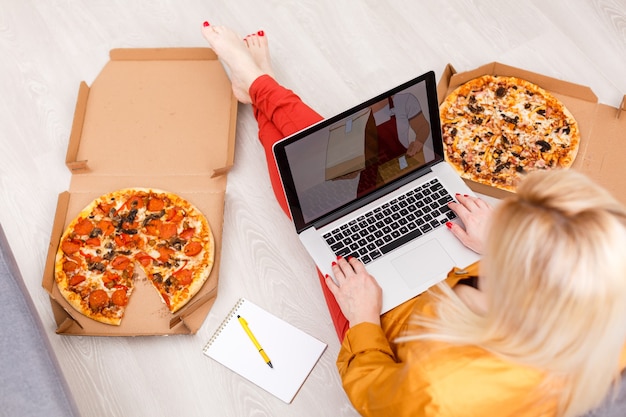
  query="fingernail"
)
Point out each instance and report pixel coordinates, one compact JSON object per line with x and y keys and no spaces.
{"x":206,"y":24}
{"x":465,"y":195}
{"x":338,"y":257}
{"x":260,"y":33}
{"x":349,"y":257}
{"x":334,"y":263}
{"x":458,"y":193}
{"x":449,"y":225}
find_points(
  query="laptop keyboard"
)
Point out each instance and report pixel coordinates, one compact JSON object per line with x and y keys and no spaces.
{"x":392,"y":224}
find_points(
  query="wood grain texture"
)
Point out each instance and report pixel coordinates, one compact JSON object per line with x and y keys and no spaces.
{"x":333,"y":54}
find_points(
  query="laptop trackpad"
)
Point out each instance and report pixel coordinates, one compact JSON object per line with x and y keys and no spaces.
{"x":423,"y":263}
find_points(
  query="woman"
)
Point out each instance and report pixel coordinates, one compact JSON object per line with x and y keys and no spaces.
{"x":540,"y":333}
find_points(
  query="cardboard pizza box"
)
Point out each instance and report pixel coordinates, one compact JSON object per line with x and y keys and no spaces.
{"x":154,"y":118}
{"x":602,"y":127}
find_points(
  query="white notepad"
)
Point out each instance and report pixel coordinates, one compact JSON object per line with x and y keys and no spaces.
{"x":293,"y":353}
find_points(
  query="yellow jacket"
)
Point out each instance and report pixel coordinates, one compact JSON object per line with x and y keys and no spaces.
{"x":430,"y":378}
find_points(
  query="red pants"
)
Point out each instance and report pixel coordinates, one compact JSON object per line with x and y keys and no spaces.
{"x":280,"y":113}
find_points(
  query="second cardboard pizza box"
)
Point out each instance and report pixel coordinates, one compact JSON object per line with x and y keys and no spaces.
{"x":602,"y":127}
{"x":153,"y":118}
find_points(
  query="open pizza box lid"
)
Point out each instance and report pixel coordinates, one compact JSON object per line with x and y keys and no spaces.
{"x":602,"y":127}
{"x":153,"y":118}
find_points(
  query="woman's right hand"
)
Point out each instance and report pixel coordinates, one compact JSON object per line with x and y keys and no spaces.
{"x":357,"y":293}
{"x":475,"y":214}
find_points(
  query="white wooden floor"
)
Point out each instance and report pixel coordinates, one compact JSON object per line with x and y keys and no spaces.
{"x":334,"y":54}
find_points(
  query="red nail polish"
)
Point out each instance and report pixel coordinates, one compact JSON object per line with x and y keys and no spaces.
{"x":338,"y":257}
{"x":334,"y":263}
{"x":349,"y":257}
{"x":449,"y":225}
{"x":465,"y":195}
{"x":260,"y":33}
{"x":206,"y":24}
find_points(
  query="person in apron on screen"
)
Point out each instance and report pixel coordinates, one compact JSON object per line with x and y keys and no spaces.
{"x":395,"y":134}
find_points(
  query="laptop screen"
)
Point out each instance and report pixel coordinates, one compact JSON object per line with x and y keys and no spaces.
{"x":351,"y":158}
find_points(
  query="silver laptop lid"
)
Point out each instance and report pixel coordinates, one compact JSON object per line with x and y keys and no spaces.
{"x":344,"y":162}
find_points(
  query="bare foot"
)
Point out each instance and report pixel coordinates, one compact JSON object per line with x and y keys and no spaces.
{"x":236,"y":55}
{"x":259,"y":48}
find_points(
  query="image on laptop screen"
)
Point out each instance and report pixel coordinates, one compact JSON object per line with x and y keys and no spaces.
{"x":362,"y":152}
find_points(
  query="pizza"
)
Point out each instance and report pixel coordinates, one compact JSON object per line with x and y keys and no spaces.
{"x":103,"y":247}
{"x":496,"y":129}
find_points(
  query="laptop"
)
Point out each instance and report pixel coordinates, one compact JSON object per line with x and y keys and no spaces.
{"x":372,"y":183}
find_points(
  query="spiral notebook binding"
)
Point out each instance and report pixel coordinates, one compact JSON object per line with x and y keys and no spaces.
{"x":229,"y":316}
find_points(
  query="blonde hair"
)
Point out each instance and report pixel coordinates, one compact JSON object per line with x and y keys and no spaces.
{"x":555,"y":275}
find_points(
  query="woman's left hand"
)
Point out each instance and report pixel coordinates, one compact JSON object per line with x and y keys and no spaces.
{"x":358,"y":294}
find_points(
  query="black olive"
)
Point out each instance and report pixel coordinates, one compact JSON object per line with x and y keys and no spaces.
{"x":543,"y":145}
{"x":131,"y":216}
{"x":475,"y":108}
{"x":153,"y":216}
{"x":510,"y":119}
{"x":500,"y":92}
